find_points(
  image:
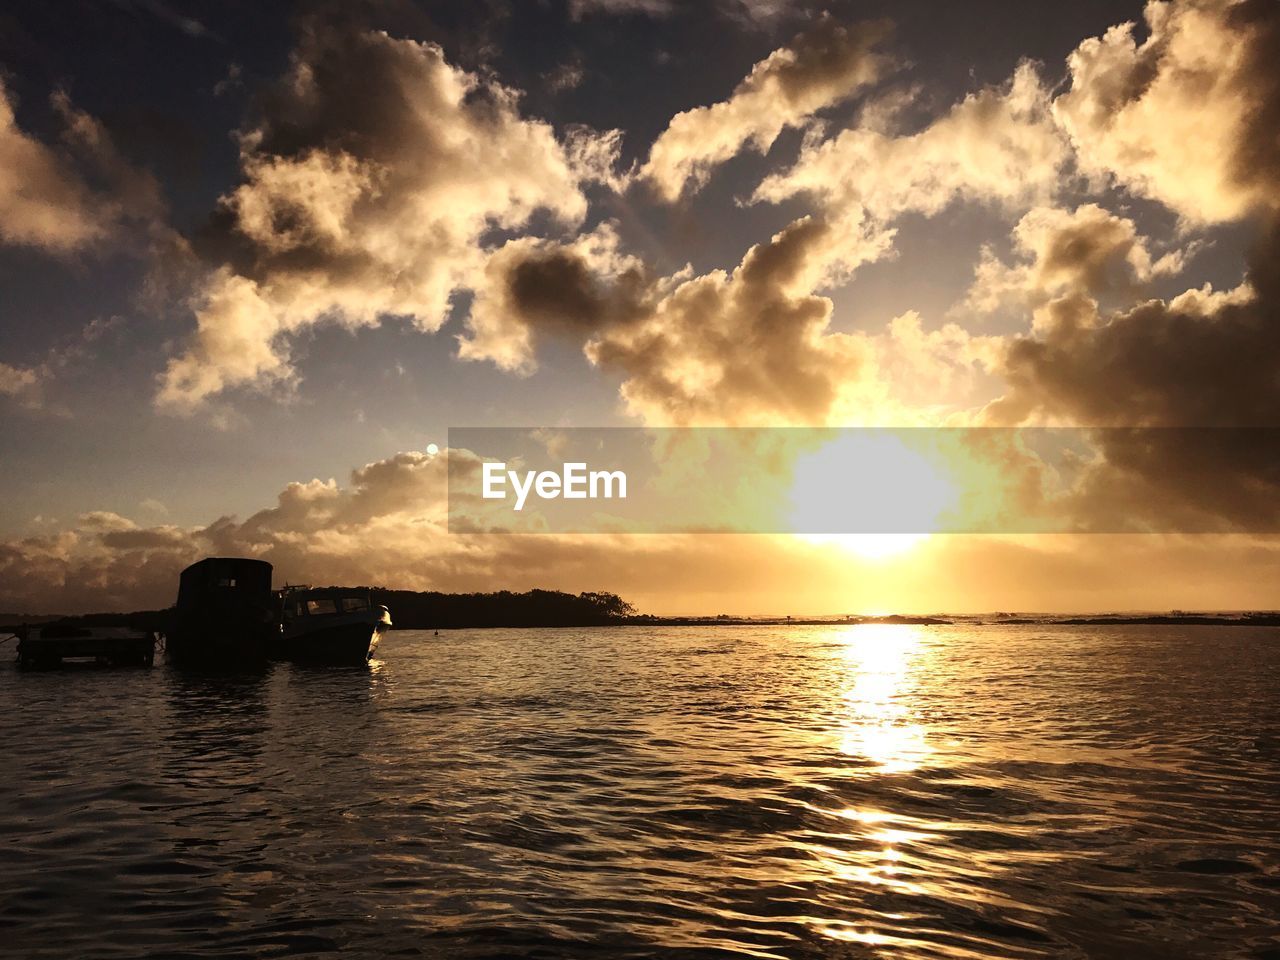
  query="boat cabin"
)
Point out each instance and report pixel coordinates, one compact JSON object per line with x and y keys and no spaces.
{"x":224,"y":583}
{"x":325,"y":602}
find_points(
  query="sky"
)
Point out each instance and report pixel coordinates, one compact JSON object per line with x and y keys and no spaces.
{"x":257,"y":259}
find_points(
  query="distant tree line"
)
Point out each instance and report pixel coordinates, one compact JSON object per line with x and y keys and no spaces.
{"x":536,"y":608}
{"x":436,"y":611}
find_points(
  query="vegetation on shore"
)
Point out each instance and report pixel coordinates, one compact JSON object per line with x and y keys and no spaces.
{"x":424,"y":611}
{"x":432,"y":610}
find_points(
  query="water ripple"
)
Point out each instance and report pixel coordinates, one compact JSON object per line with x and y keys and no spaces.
{"x":869,"y":791}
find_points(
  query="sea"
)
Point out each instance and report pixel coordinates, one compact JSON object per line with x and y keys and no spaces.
{"x":831,"y":791}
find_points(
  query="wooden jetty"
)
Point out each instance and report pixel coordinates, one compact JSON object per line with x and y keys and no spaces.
{"x":47,"y":646}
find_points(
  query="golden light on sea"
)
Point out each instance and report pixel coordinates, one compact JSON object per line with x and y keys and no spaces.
{"x":881,"y":661}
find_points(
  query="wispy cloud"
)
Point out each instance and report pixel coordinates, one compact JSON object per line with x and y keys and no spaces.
{"x":827,"y":63}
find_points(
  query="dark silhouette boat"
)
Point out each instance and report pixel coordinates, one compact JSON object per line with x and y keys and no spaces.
{"x":50,"y":645}
{"x":225,"y":615}
{"x":331,"y":625}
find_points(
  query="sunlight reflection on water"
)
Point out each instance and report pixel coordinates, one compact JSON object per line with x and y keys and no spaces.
{"x":881,"y":660}
{"x":873,"y":791}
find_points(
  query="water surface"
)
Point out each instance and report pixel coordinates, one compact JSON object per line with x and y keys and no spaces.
{"x":838,"y":791}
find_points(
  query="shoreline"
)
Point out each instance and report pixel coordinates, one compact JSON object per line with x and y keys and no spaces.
{"x":1258,"y":619}
{"x":1247,"y":620}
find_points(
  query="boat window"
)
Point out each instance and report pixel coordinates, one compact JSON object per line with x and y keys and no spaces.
{"x":323,"y":605}
{"x":227,"y":582}
{"x":354,"y":603}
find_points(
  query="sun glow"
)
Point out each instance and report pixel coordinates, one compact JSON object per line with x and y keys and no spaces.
{"x":870,"y":493}
{"x":870,"y":546}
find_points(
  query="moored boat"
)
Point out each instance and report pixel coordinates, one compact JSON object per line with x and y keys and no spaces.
{"x":225,"y":615}
{"x":332,"y":625}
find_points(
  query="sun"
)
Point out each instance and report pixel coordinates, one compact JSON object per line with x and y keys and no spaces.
{"x":870,"y":493}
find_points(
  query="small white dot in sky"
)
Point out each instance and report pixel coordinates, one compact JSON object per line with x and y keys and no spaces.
{"x":432,"y":449}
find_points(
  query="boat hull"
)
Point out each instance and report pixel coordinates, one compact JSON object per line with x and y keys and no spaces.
{"x":336,"y":644}
{"x":210,"y":645}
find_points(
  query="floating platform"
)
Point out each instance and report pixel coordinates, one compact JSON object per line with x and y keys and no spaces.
{"x":47,"y":647}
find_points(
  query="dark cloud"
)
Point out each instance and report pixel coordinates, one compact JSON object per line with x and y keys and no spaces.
{"x":1187,"y":117}
{"x":155,"y":538}
{"x":168,"y":15}
{"x":557,"y":288}
{"x":749,"y":347}
{"x":566,"y":76}
{"x":1257,"y":153}
{"x":1202,"y":360}
{"x":532,"y":288}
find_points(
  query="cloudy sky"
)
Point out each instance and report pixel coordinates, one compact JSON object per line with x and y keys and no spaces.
{"x":256,"y":258}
